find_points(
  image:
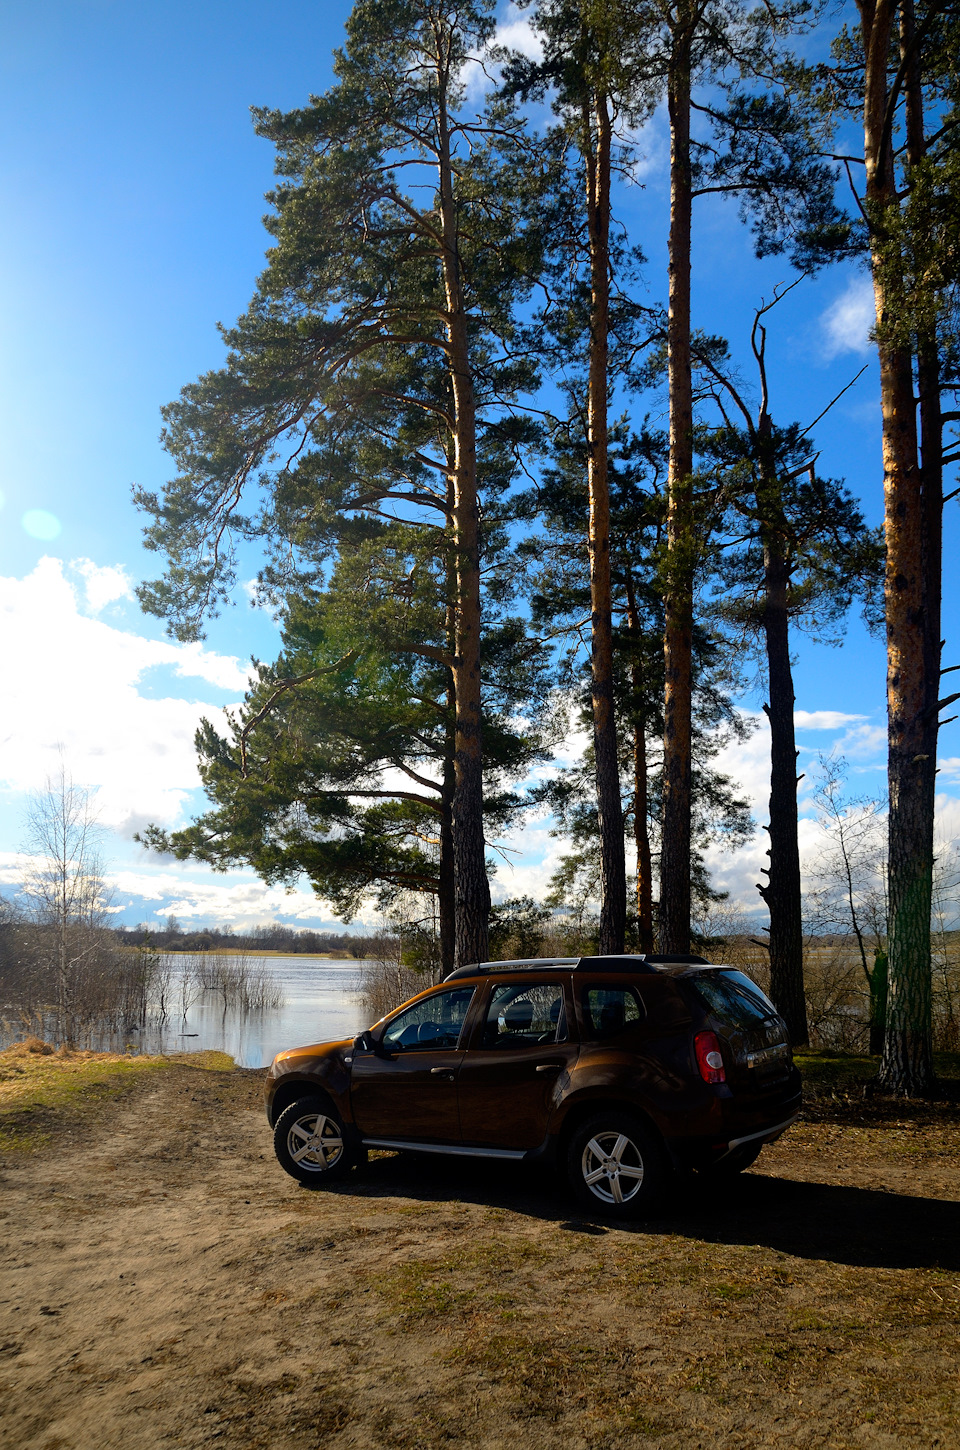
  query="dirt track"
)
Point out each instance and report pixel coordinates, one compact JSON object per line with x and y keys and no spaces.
{"x":164,"y":1284}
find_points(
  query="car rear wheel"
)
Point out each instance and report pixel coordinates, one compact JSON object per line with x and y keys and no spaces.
{"x":616,"y":1166}
{"x":309,"y":1142}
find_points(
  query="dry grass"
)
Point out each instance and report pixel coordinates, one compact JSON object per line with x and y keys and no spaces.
{"x":420,"y":1304}
{"x":40,"y":1084}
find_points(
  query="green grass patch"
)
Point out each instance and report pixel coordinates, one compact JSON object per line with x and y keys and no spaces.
{"x":844,"y":1071}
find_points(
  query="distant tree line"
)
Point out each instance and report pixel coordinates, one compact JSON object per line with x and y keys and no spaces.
{"x":435,"y":421}
{"x":275,"y":937}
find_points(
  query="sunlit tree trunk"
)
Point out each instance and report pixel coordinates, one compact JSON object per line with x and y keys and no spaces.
{"x":472,"y":889}
{"x":613,"y":906}
{"x":641,"y":826}
{"x":906,"y":1066}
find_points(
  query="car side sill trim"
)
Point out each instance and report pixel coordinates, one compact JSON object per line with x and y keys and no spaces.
{"x":458,"y":1148}
{"x":768,"y":1135}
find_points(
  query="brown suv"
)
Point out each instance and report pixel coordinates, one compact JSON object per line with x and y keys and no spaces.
{"x":620,"y":1069}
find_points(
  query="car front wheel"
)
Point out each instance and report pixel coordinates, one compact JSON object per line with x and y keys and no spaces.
{"x":309,"y":1142}
{"x":616,"y":1166}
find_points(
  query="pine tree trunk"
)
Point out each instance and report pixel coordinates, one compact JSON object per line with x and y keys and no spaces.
{"x":641,"y":828}
{"x":447,"y":897}
{"x":471,"y":887}
{"x":447,"y":894}
{"x":674,"y":918}
{"x":782,"y":892}
{"x":931,"y":473}
{"x":613,"y":905}
{"x":906,"y":1066}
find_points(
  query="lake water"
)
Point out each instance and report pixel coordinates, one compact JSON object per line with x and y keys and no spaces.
{"x":322,"y":1001}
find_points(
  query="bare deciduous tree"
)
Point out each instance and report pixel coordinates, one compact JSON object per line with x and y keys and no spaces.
{"x":849,"y":879}
{"x":64,"y":885}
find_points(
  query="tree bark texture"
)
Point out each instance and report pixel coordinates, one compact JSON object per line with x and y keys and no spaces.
{"x":447,"y":894}
{"x":782,"y":891}
{"x":641,"y":828}
{"x":906,"y":1066}
{"x":674,"y":917}
{"x":613,"y":904}
{"x":471,"y":886}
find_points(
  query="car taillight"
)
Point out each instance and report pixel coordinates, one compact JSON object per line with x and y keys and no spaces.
{"x":709,"y":1058}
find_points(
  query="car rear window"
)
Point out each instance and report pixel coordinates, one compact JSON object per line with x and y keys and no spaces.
{"x":733,"y":998}
{"x":609,"y":1010}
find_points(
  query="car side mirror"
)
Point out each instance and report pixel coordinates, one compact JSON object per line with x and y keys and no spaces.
{"x":366,"y":1042}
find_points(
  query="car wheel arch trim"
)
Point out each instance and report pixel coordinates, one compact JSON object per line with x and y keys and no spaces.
{"x":290,"y":1092}
{"x":582,"y":1108}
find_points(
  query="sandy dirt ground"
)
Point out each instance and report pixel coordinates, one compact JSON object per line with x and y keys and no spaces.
{"x":163,"y":1283}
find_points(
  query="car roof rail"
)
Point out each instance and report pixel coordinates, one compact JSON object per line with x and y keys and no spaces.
{"x":624,"y":962}
{"x":517,"y":964}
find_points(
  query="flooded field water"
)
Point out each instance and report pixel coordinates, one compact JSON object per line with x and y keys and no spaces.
{"x":322,"y":1000}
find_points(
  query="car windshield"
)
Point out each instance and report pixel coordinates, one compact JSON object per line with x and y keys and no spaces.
{"x":734,"y":999}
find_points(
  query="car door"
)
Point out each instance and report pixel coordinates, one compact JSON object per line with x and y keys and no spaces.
{"x":407,"y":1089}
{"x":516,"y":1064}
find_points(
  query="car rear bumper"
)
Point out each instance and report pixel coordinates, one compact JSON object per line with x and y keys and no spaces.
{"x":737,"y":1122}
{"x":765,"y":1135}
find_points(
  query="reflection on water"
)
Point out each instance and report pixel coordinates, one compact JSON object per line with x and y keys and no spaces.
{"x":322,"y":1000}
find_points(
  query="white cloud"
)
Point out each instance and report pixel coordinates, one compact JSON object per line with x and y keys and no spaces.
{"x":103,"y":583}
{"x":527,"y":860}
{"x":865,"y":744}
{"x":848,"y":320}
{"x":190,"y":892}
{"x":516,"y":31}
{"x":748,"y":764}
{"x":240,"y":901}
{"x":72,"y":680}
{"x":651,"y":145}
{"x":824,"y":719}
{"x":13,"y":867}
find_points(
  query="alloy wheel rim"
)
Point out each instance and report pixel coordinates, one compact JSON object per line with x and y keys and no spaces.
{"x":314,"y":1142}
{"x":612,"y":1167}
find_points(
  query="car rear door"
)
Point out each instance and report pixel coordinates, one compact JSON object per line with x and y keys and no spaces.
{"x":517,"y":1062}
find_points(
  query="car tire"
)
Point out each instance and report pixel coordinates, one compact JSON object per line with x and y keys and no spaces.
{"x":734,"y":1163}
{"x":617,"y":1166}
{"x":310,"y":1144}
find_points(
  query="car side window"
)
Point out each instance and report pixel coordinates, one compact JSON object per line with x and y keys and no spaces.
{"x":435,"y":1022}
{"x":524,"y":1016}
{"x":609,"y":1010}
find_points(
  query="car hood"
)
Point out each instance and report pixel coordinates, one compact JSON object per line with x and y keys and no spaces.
{"x":295,"y":1057}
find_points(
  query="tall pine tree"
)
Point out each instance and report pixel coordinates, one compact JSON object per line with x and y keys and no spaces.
{"x":386,"y":307}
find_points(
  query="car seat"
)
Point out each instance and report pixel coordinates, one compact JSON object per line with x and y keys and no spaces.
{"x":612,"y":1019}
{"x":514,"y":1022}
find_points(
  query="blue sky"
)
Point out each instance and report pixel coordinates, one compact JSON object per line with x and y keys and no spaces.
{"x":133,"y":189}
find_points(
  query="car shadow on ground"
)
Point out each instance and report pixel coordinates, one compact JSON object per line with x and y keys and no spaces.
{"x":859,"y":1227}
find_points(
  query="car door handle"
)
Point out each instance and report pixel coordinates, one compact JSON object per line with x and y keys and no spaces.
{"x":444,"y":1072}
{"x":549,"y":1067}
